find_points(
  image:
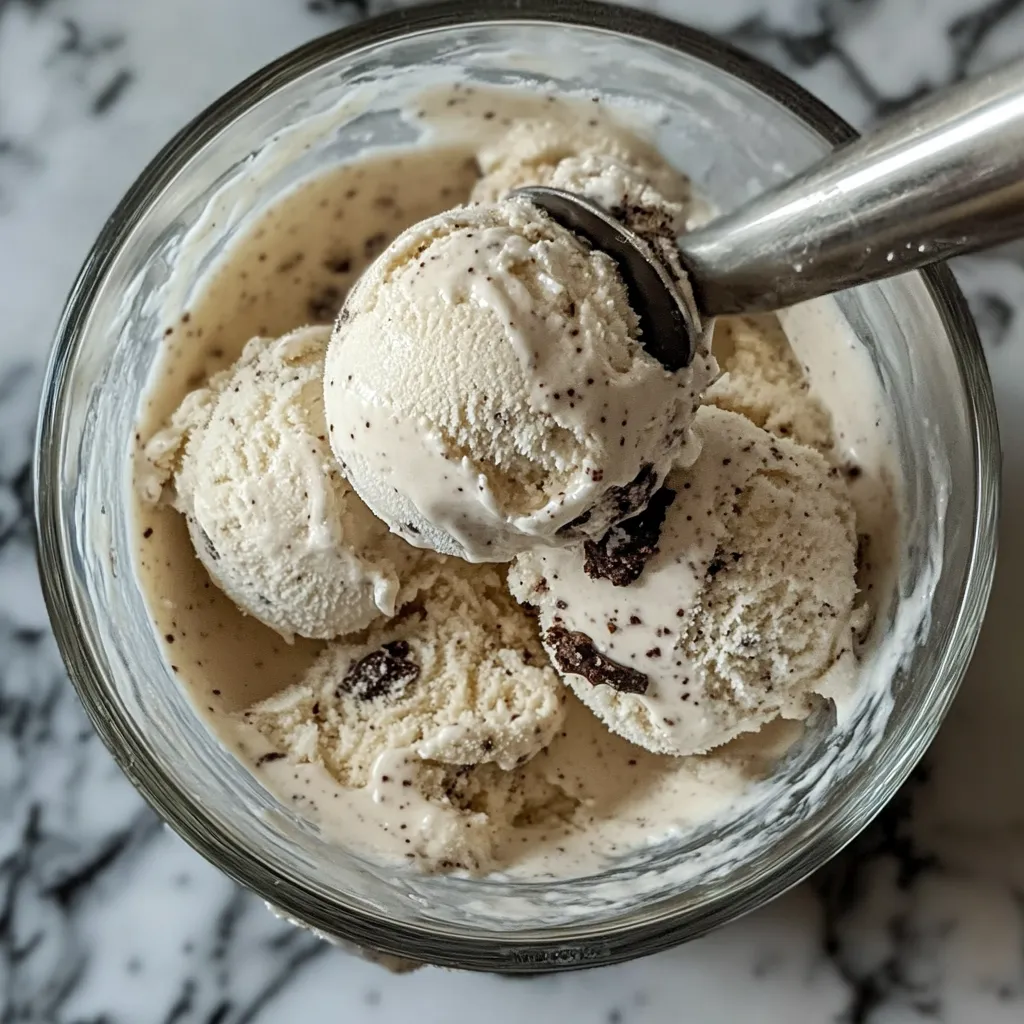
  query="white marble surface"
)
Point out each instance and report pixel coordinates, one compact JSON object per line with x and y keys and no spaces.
{"x":105,"y":916}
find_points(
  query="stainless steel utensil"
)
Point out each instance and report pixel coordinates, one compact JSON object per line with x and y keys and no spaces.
{"x":942,"y":178}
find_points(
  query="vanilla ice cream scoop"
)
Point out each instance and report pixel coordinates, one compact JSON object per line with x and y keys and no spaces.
{"x":629,"y":178}
{"x":458,"y":678}
{"x":487,"y":390}
{"x":727,"y":603}
{"x":535,"y":151}
{"x":245,"y":459}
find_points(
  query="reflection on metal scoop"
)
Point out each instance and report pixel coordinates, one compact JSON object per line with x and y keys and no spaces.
{"x":944,"y":177}
{"x":668,"y":329}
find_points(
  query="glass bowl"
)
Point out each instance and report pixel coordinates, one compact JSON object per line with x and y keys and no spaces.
{"x":734,"y":126}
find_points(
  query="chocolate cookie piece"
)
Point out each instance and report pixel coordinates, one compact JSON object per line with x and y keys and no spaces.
{"x":720,"y":561}
{"x":623,"y":501}
{"x":621,"y":554}
{"x":384,"y":671}
{"x":576,"y":652}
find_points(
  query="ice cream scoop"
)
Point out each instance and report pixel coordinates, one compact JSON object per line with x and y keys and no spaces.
{"x":245,"y":459}
{"x":457,"y":678}
{"x":943,"y":178}
{"x":628,"y":177}
{"x":489,"y":389}
{"x":727,"y":603}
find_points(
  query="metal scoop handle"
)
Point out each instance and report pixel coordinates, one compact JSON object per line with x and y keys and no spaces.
{"x":944,"y":177}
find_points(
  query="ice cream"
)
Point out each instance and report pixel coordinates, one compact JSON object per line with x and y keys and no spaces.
{"x":429,"y":726}
{"x":458,"y":678}
{"x":630,"y":179}
{"x":763,"y":381}
{"x":487,"y":392}
{"x":245,"y":459}
{"x":728,"y":603}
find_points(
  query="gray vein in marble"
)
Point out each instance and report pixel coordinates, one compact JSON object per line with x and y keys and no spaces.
{"x":830,"y":35}
{"x":80,"y":66}
{"x":107,"y":917}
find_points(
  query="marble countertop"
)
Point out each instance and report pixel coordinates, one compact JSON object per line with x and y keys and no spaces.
{"x":105,"y":916}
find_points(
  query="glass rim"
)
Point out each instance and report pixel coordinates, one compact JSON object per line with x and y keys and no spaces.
{"x":663,"y":924}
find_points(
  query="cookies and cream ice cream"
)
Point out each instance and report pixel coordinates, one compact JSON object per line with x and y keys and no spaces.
{"x":457,"y":678}
{"x":487,"y":390}
{"x":290,"y":487}
{"x":245,"y":460}
{"x":726,"y":604}
{"x":765,"y":382}
{"x":627,"y":177}
{"x":432,"y":712}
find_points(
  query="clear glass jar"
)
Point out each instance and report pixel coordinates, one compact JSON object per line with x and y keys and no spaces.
{"x":735,"y":126}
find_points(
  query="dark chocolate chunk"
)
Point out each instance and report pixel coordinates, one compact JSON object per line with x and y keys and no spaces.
{"x":715,"y":566}
{"x":267,"y":758}
{"x":621,"y":554}
{"x":622,"y":501}
{"x":576,"y":652}
{"x":384,"y":671}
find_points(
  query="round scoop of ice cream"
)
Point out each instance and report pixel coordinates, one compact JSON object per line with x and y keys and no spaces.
{"x":458,"y":678}
{"x":549,"y":152}
{"x":246,"y":461}
{"x":624,"y":175}
{"x":728,"y":603}
{"x":487,"y":390}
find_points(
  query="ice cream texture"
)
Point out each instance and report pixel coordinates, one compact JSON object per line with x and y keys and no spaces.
{"x":629,"y":178}
{"x":487,"y":392}
{"x":683,"y":577}
{"x":457,"y":678}
{"x":245,"y":459}
{"x":764,"y":382}
{"x":727,"y":603}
